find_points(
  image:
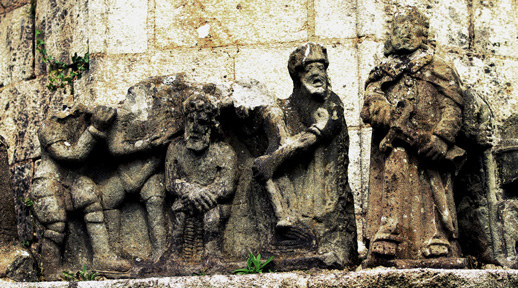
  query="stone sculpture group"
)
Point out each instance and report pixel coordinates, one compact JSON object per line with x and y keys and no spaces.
{"x":184,"y":177}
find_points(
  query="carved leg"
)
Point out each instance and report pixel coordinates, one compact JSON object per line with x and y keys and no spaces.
{"x":49,"y":209}
{"x":153,"y":193}
{"x":51,"y":249}
{"x":104,"y":258}
{"x":85,"y":196}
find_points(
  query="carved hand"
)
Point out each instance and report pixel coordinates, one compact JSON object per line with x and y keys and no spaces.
{"x":380,"y":115}
{"x":202,"y":200}
{"x":262,"y":168}
{"x":321,"y":118}
{"x":435,"y":149}
{"x":103,"y":116}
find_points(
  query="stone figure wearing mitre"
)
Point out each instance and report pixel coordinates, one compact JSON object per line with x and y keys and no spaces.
{"x":413,"y":101}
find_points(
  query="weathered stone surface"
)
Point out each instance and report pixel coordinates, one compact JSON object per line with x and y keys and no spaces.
{"x":426,"y":278}
{"x":495,"y":30}
{"x":17,"y":264}
{"x":494,"y":79}
{"x":335,"y":19}
{"x":22,"y":174}
{"x":24,"y":105}
{"x":8,"y":231}
{"x":16,"y":58}
{"x":15,"y":261}
{"x":267,"y":66}
{"x":416,"y":118}
{"x":7,"y":6}
{"x":210,"y":23}
{"x":110,"y":77}
{"x":64,"y":27}
{"x":449,"y":20}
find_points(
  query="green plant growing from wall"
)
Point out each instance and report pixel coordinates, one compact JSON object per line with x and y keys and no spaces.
{"x":254,"y":265}
{"x":81,"y":275}
{"x":62,"y":74}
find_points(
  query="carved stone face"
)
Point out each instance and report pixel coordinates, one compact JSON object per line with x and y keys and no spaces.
{"x":197,"y":131}
{"x":407,"y":36}
{"x":314,"y":79}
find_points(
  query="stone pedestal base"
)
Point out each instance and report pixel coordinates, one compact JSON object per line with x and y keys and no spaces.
{"x":442,"y":262}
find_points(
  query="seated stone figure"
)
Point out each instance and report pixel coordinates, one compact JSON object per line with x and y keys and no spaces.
{"x":59,"y":185}
{"x":201,"y":172}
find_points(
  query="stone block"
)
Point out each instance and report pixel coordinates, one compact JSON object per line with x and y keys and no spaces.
{"x":109,"y":77}
{"x":64,"y":29}
{"x":23,"y":106}
{"x":220,"y":23}
{"x":492,"y":78}
{"x":7,"y":6}
{"x":449,"y":20}
{"x":16,"y":43}
{"x":268,"y":66}
{"x":127,"y":30}
{"x":495,"y":27}
{"x":372,"y":19}
{"x":335,"y":19}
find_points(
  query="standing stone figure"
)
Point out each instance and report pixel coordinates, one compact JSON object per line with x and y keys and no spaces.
{"x":414,"y":103}
{"x":306,"y":176}
{"x":60,"y":185}
{"x":201,"y":172}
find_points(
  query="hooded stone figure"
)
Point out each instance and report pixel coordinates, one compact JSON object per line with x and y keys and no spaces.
{"x":306,"y":177}
{"x":414,"y":103}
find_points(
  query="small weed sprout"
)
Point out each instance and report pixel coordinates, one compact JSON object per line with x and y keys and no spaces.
{"x":27,"y":202}
{"x":254,"y":265}
{"x":81,"y":275}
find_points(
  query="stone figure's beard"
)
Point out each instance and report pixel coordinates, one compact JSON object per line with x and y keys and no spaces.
{"x":315,"y":86}
{"x":197,"y":143}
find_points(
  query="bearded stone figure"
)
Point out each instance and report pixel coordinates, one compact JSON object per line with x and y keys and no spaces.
{"x":414,"y":103}
{"x":201,"y":172}
{"x":306,"y":176}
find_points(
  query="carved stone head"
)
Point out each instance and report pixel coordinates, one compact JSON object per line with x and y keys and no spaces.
{"x":409,"y":32}
{"x":308,"y":70}
{"x":200,"y":119}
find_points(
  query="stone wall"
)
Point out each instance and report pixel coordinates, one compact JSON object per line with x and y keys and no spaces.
{"x":216,"y":41}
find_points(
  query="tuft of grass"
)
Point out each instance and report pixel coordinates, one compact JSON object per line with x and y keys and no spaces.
{"x":254,"y":265}
{"x":81,"y":275}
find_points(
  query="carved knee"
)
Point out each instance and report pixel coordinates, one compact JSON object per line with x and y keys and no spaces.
{"x":84,"y":192}
{"x":55,"y":232}
{"x":153,"y":188}
{"x":94,"y":217}
{"x":49,"y":209}
{"x":212,"y":220}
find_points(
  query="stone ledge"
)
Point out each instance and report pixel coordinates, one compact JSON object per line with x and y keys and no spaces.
{"x":367,"y":278}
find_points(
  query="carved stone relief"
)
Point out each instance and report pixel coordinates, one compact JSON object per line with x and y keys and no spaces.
{"x":414,"y":102}
{"x":186,"y":177}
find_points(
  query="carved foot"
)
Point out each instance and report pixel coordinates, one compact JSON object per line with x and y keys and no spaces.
{"x":385,"y":248}
{"x":436,"y":250}
{"x":111,"y":263}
